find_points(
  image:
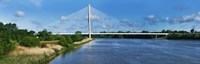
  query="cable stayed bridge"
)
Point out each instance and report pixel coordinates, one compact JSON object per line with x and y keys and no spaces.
{"x":89,"y":16}
{"x":161,"y":34}
{"x":90,"y":34}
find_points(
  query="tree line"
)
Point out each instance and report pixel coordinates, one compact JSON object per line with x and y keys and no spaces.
{"x":192,"y":34}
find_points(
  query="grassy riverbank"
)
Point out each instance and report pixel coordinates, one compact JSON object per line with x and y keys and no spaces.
{"x":47,"y":59}
{"x":41,"y":58}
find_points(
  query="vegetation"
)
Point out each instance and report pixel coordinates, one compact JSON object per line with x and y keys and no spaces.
{"x":186,"y":36}
{"x":45,"y":35}
{"x":11,"y":36}
{"x":69,"y":39}
{"x":22,"y":59}
{"x":195,"y":35}
{"x":29,"y":41}
{"x":6,"y":46}
{"x":77,"y":36}
{"x":63,"y":42}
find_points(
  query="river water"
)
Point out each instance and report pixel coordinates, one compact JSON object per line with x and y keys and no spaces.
{"x":133,"y":51}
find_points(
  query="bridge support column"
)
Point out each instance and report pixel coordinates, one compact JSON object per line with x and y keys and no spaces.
{"x":156,"y":36}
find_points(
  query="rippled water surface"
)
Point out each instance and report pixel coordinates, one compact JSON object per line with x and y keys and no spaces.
{"x":133,"y":51}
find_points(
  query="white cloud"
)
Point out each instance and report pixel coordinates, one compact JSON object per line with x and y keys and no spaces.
{"x":189,"y":18}
{"x":197,"y":18}
{"x":36,"y":2}
{"x":126,"y":22}
{"x":63,"y":18}
{"x":125,"y":19}
{"x":167,"y":18}
{"x":95,"y":17}
{"x":180,"y":19}
{"x":20,"y":14}
{"x":151,"y":17}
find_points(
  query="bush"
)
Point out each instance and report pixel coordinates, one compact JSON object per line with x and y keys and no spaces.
{"x":45,"y":35}
{"x":69,"y":39}
{"x":6,"y":46}
{"x":77,"y":36}
{"x":63,"y":42}
{"x":29,"y":41}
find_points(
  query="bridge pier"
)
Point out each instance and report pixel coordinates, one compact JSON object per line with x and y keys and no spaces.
{"x":156,"y":36}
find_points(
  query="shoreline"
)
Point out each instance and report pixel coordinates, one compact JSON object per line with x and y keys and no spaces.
{"x":65,"y":50}
{"x":38,"y":55}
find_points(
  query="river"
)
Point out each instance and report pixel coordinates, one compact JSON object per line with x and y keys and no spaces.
{"x":133,"y":51}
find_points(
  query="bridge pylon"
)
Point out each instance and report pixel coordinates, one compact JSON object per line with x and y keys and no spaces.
{"x":89,"y":21}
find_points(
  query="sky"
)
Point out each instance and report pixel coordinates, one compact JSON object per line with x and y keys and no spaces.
{"x":107,"y":15}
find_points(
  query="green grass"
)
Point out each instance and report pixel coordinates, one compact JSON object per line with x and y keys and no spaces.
{"x":23,"y":59}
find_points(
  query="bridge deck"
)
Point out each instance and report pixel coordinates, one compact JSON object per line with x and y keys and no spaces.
{"x":114,"y":33}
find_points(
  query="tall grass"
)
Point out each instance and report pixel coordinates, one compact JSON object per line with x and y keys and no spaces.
{"x":38,"y":59}
{"x":23,"y":59}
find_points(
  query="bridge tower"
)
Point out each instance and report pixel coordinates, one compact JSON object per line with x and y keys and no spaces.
{"x":89,"y":21}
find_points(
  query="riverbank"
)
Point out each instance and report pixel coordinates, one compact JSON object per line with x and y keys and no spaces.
{"x":46,"y":60}
{"x":36,"y":55}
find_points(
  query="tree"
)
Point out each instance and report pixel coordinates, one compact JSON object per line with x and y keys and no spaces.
{"x":10,"y":26}
{"x":78,"y":32}
{"x":120,"y":32}
{"x":77,"y":36}
{"x":20,"y":34}
{"x":192,"y":30}
{"x":45,"y":35}
{"x":6,"y":46}
{"x":1,"y":26}
{"x":30,"y":41}
{"x":163,"y":31}
{"x":63,"y":42}
{"x":31,"y":32}
{"x":69,"y":39}
{"x":145,"y":32}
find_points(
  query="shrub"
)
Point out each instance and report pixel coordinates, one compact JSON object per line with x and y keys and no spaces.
{"x":43,"y":45}
{"x":63,"y":42}
{"x":29,"y":41}
{"x":6,"y":46}
{"x":45,"y":35}
{"x":69,"y":39}
{"x":77,"y":36}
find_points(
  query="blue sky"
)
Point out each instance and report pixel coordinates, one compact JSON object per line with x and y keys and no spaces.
{"x":108,"y":15}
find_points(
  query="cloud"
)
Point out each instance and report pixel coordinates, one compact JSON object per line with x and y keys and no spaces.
{"x":197,"y":18}
{"x":63,"y":18}
{"x":36,"y":23}
{"x":152,"y":18}
{"x":126,"y":22}
{"x":54,"y":27}
{"x":95,"y":17}
{"x":174,"y":20}
{"x":187,"y":18}
{"x":167,"y":18}
{"x":20,"y":14}
{"x":36,"y":2}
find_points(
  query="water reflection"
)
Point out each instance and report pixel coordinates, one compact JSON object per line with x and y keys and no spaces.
{"x":133,"y":51}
